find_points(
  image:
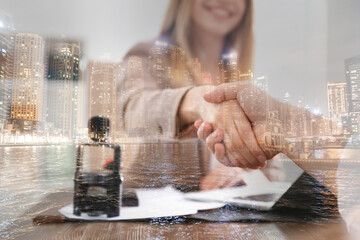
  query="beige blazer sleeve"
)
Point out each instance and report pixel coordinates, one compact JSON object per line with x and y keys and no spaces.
{"x":148,"y":106}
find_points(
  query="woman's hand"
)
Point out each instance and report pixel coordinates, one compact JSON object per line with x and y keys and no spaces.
{"x":222,"y":177}
{"x":226,"y":177}
{"x":238,"y":137}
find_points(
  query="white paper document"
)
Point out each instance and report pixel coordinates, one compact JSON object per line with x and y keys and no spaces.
{"x":259,"y":192}
{"x":153,"y":203}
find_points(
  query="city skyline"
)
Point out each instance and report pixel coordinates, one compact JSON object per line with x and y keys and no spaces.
{"x":300,"y":45}
{"x":59,"y":59}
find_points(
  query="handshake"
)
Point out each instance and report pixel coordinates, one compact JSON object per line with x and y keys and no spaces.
{"x":232,"y":120}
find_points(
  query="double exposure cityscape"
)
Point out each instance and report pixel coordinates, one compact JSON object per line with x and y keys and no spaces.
{"x":45,"y":96}
{"x":180,"y":119}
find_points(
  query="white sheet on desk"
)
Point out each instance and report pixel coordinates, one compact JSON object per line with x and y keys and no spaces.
{"x":257,"y":184}
{"x":153,"y":203}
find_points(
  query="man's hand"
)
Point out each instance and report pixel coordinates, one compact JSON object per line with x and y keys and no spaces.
{"x":238,"y":137}
{"x":251,"y":99}
{"x":254,"y":102}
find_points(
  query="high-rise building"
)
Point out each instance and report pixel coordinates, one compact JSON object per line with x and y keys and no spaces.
{"x":133,"y":71}
{"x":355,"y":122}
{"x":6,"y":65}
{"x":352,"y":73}
{"x":337,"y":105}
{"x":288,"y":117}
{"x":351,"y":124}
{"x":320,"y":126}
{"x":177,"y":69}
{"x":300,"y":122}
{"x":274,"y":133}
{"x":229,"y":71}
{"x":167,"y":65}
{"x":157,"y":57}
{"x":262,"y":99}
{"x":63,"y":85}
{"x":352,"y":120}
{"x":102,"y":79}
{"x":28,"y":77}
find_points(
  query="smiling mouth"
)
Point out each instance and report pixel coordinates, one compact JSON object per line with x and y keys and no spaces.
{"x":219,"y":12}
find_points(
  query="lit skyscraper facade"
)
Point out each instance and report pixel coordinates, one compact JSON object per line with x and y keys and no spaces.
{"x":337,"y":102}
{"x":168,"y":62}
{"x":228,"y":70}
{"x":6,"y":64}
{"x":102,"y":78}
{"x":352,"y":72}
{"x":28,"y":77}
{"x":133,"y":69}
{"x":158,"y":57}
{"x":63,"y":85}
{"x":177,"y":68}
{"x":288,"y":117}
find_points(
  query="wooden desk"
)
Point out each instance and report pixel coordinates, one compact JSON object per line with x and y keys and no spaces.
{"x":176,"y":228}
{"x":159,"y":165}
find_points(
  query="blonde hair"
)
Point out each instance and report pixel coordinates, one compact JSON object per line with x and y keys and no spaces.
{"x":177,"y":24}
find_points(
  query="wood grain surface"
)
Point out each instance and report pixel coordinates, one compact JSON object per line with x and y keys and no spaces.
{"x":169,"y":228}
{"x":155,"y":162}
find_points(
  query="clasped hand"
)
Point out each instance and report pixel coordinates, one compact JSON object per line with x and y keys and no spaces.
{"x":229,"y":130}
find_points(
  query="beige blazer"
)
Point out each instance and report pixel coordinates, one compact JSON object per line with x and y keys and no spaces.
{"x":148,"y":106}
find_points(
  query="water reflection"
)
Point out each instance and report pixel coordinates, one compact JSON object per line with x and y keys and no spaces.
{"x":29,"y":173}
